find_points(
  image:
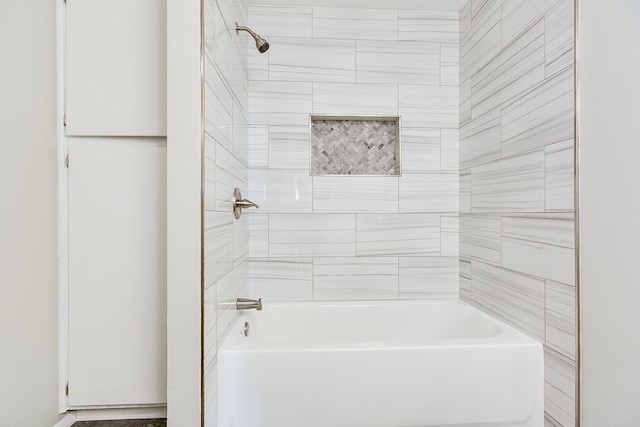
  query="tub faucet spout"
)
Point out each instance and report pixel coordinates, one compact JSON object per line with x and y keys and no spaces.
{"x":247,"y":304}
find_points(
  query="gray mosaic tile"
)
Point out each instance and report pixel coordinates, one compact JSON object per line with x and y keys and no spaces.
{"x":355,"y":147}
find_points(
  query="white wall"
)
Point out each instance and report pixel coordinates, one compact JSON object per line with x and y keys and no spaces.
{"x":609,"y":174}
{"x":28,"y":190}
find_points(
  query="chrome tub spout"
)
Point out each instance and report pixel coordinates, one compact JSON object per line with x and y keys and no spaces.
{"x":248,"y":304}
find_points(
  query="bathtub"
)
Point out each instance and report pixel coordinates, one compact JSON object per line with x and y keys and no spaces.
{"x":378,"y":364}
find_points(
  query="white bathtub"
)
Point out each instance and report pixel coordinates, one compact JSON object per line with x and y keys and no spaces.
{"x":378,"y":364}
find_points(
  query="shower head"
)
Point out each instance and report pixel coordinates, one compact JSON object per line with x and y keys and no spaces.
{"x":261,"y":44}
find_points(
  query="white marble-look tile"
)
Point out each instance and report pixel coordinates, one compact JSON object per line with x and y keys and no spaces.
{"x":428,"y":106}
{"x":397,"y":62}
{"x":481,"y":238}
{"x":465,"y":21}
{"x":210,"y":335}
{"x":543,"y":116}
{"x":480,"y":140}
{"x":364,"y":24}
{"x":259,"y":146}
{"x":429,"y":277}
{"x":559,"y":176}
{"x":230,"y":173}
{"x":289,"y":147}
{"x":355,"y":99}
{"x":514,"y":184}
{"x":218,"y":241}
{"x":465,"y":280}
{"x":257,"y":63}
{"x":561,"y":318}
{"x":308,"y":235}
{"x":478,"y":8}
{"x":281,"y":279}
{"x":393,"y":234}
{"x":240,"y":228}
{"x":258,"y":234}
{"x":312,"y":59}
{"x":559,"y":388}
{"x":230,"y":287}
{"x":449,"y":64}
{"x":540,"y":245}
{"x":420,"y":149}
{"x":429,"y":192}
{"x":465,"y":191}
{"x":449,"y":235}
{"x":431,"y":26}
{"x":240,"y":133}
{"x":355,"y":278}
{"x":558,"y":46}
{"x":517,"y":15}
{"x":209,"y":190}
{"x":280,"y":21}
{"x":449,"y":149}
{"x":483,"y":42}
{"x":279,"y":103}
{"x":355,"y":194}
{"x":516,"y":69}
{"x":218,"y":106}
{"x":465,"y":101}
{"x":280,"y":190}
{"x":514,"y":298}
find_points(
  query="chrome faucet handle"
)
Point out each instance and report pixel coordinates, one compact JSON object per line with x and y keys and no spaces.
{"x":239,"y":203}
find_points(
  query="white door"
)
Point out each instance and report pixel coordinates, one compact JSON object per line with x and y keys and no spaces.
{"x":117,"y":272}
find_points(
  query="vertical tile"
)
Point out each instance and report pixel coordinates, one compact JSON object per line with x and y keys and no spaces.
{"x":279,"y":103}
{"x":449,"y":149}
{"x":559,"y":176}
{"x":518,"y":15}
{"x":428,"y":106}
{"x":308,"y":235}
{"x":465,"y":101}
{"x":420,"y":149}
{"x":355,"y":99}
{"x":217,"y":107}
{"x":541,"y":117}
{"x":281,"y":21}
{"x":289,"y":147}
{"x":355,"y":278}
{"x":355,"y":194}
{"x":230,"y":173}
{"x":449,"y":64}
{"x":258,"y":146}
{"x":398,"y":61}
{"x":209,"y":173}
{"x":281,"y":279}
{"x":429,"y":192}
{"x":280,"y":190}
{"x":465,"y":280}
{"x":312,"y":59}
{"x":465,"y":191}
{"x":559,"y":388}
{"x":514,"y":184}
{"x":428,"y":26}
{"x":230,"y":287}
{"x":480,"y":140}
{"x":240,"y":133}
{"x":514,"y":298}
{"x":345,"y":23}
{"x":540,"y":244}
{"x":218,"y":241}
{"x":449,"y":235}
{"x":393,"y":234}
{"x":465,"y":20}
{"x":561,"y":318}
{"x":481,"y":238}
{"x":429,"y":277}
{"x":240,"y":230}
{"x":258,"y":234}
{"x":483,"y":42}
{"x":558,"y":47}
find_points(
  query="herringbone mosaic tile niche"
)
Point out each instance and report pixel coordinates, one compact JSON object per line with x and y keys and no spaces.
{"x":355,"y":146}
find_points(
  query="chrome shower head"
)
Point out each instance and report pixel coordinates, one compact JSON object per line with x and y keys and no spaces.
{"x":261,"y":44}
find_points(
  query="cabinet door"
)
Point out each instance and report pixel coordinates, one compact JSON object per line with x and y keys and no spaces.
{"x":116,"y":67}
{"x":117,"y":273}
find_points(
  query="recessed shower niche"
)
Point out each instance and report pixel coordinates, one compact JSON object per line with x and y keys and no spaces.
{"x":355,"y":145}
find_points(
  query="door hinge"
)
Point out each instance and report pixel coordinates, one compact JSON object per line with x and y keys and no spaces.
{"x":66,"y":389}
{"x":64,"y":119}
{"x":66,"y":160}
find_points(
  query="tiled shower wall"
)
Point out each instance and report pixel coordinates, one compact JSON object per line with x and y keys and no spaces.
{"x":516,"y":177}
{"x":353,"y":237}
{"x":226,"y":240}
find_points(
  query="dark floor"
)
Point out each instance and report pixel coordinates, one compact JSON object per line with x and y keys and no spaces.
{"x":122,"y":423}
